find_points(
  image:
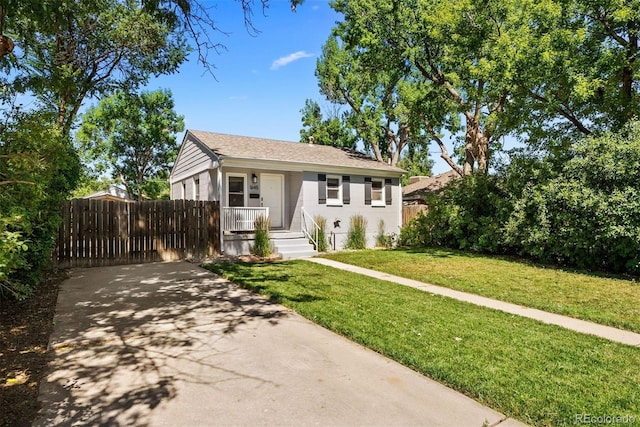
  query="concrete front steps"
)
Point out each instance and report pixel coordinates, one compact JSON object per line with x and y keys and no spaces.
{"x":291,"y":245}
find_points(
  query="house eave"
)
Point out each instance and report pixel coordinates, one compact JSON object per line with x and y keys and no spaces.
{"x":196,"y":170}
{"x":307,"y":167}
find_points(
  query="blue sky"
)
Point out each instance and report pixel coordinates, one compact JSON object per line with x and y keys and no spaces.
{"x":261,"y":81}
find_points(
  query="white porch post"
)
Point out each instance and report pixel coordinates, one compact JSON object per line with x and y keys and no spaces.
{"x":221,"y":201}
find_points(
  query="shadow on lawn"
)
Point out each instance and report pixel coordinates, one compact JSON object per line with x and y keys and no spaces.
{"x":122,"y":345}
{"x":260,"y":277}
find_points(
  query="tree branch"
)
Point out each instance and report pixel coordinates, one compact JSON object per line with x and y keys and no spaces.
{"x":16,"y":181}
{"x":602,"y":17}
{"x":567,"y":115}
{"x":444,"y":154}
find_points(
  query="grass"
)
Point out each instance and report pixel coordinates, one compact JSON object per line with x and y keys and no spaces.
{"x":540,"y":374}
{"x":605,"y":300}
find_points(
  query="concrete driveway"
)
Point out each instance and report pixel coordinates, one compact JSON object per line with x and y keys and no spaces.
{"x":170,"y":344}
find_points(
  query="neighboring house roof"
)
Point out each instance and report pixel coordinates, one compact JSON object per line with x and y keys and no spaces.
{"x":418,"y":187}
{"x":113,"y":192}
{"x":249,"y":148}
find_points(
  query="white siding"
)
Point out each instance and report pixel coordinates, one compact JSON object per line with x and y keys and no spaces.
{"x":211,"y":186}
{"x":295,"y":199}
{"x":205,"y":187}
{"x":191,"y":159}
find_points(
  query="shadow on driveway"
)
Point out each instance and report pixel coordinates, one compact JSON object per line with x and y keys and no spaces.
{"x":124,"y":336}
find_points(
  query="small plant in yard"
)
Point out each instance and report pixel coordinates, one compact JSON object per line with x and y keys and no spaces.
{"x":384,"y":240}
{"x":357,"y":233}
{"x":323,"y":244}
{"x":262,"y":243}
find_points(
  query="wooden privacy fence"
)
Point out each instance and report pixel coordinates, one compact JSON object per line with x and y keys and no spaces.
{"x":411,"y":211}
{"x":97,"y":232}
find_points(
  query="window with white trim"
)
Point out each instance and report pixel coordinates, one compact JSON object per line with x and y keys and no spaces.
{"x":236,"y":192}
{"x":334,"y":190}
{"x":377,"y":192}
{"x":183,"y":188}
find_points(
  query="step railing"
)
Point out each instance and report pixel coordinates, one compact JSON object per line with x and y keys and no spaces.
{"x":242,"y":218}
{"x":310,"y":228}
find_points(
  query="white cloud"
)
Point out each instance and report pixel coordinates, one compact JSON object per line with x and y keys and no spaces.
{"x":286,"y":60}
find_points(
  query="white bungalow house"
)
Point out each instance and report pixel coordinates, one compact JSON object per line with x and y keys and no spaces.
{"x":289,"y":182}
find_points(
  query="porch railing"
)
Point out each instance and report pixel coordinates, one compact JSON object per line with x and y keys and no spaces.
{"x":242,"y":219}
{"x":310,"y":228}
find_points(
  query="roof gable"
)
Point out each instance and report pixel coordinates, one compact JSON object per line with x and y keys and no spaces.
{"x":249,"y":148}
{"x":193,"y":156}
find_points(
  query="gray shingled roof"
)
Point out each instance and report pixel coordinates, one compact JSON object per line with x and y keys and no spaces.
{"x":244,"y":147}
{"x":432,"y":184}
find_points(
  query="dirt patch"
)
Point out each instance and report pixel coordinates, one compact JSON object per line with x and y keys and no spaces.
{"x":25,"y":327}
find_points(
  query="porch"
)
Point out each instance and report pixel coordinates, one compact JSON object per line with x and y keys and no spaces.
{"x":242,"y":219}
{"x":239,"y":233}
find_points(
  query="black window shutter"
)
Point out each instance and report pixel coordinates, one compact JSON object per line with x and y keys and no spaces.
{"x":367,"y":191}
{"x":346,"y":191}
{"x":387,"y":191}
{"x":322,"y":189}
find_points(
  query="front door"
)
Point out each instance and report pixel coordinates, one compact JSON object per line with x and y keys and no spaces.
{"x":272,"y":196}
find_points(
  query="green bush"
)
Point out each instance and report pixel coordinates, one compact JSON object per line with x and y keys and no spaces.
{"x":262,"y":242}
{"x":467,"y":215}
{"x":12,"y":258}
{"x":357,"y":233}
{"x":588,"y":213}
{"x":38,"y":169}
{"x":410,"y":234}
{"x":323,"y":243}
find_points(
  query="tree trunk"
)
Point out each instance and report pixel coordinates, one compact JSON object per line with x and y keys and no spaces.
{"x":483,"y":154}
{"x":470,"y":147}
{"x":476,"y":150}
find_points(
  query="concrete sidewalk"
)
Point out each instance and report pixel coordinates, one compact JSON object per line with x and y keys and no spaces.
{"x":607,"y":332}
{"x":171,"y":344}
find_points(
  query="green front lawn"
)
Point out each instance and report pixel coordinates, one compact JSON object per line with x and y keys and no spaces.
{"x":540,"y":374}
{"x":608,"y":301}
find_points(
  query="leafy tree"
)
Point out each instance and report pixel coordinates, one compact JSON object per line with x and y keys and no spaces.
{"x":551,"y":71}
{"x":325,"y":131}
{"x":133,"y":136}
{"x":416,"y":162}
{"x":90,"y":49}
{"x":379,"y":97}
{"x":577,"y":70}
{"x":448,"y":60}
{"x":72,"y":49}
